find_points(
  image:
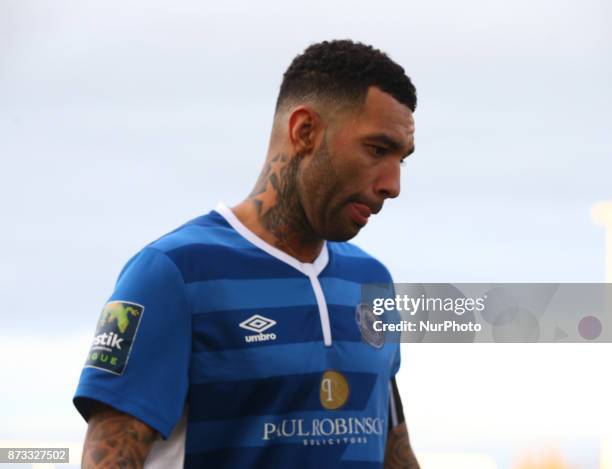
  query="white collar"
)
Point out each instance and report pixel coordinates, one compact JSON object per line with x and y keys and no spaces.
{"x":307,"y":268}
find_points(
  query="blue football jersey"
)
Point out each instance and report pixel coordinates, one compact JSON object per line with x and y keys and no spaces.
{"x":240,"y":355}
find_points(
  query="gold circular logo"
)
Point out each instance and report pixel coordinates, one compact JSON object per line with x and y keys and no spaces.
{"x":334,"y":390}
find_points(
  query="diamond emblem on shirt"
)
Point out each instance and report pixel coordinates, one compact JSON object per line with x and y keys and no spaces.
{"x":257,"y":323}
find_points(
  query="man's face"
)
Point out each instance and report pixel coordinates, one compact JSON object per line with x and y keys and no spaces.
{"x":356,"y":167}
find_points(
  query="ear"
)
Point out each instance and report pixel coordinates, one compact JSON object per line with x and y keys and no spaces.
{"x":305,"y":129}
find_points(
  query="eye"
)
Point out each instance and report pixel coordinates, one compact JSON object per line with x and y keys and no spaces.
{"x":378,"y":150}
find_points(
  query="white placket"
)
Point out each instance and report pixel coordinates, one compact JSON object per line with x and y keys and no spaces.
{"x":321,"y":304}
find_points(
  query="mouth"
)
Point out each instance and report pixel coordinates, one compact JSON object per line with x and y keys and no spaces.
{"x":359,"y":213}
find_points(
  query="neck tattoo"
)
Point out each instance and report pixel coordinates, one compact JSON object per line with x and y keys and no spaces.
{"x":277,"y":202}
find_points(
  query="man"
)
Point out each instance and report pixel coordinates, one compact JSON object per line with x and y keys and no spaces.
{"x":232,"y":342}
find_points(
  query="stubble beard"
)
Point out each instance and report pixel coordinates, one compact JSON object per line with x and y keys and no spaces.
{"x":320,"y":185}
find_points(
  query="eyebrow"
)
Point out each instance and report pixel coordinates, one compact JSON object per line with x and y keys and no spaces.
{"x":389,"y":142}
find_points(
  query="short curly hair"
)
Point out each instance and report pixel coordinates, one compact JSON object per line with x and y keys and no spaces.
{"x":343,"y":70}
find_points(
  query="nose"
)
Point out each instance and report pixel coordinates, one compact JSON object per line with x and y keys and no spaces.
{"x":387,"y":184}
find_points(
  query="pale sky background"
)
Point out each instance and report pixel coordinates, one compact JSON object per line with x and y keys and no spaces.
{"x":120,"y":120}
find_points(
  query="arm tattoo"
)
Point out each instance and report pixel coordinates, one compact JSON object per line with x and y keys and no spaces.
{"x":398,"y":453}
{"x":116,"y":440}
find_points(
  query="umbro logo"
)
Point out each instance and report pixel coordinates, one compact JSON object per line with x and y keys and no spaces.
{"x":259,"y":324}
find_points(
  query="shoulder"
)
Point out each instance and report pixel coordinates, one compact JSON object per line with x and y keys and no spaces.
{"x":207,"y":230}
{"x":353,"y":257}
{"x":202,"y":241}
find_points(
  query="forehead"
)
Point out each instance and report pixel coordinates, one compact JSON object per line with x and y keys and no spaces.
{"x":381,"y":113}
